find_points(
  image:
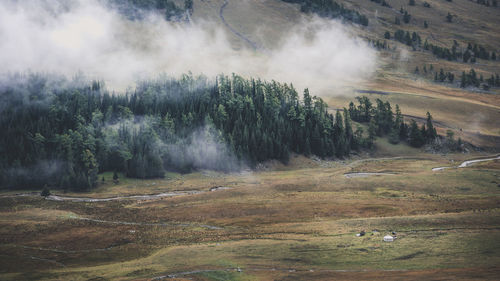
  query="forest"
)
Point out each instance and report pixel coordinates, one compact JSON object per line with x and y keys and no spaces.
{"x":64,"y":133}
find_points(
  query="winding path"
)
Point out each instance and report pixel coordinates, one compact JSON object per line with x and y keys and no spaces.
{"x":132,"y":197}
{"x":241,"y":36}
{"x":149,"y":223}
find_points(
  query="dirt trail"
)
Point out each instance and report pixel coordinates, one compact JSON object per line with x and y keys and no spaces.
{"x":234,"y":31}
{"x":63,"y":251}
{"x":47,"y":260}
{"x":150,"y":223}
{"x":131,"y":197}
{"x":275,"y":269}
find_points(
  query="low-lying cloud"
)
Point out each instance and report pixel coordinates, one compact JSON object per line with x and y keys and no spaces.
{"x":68,"y":37}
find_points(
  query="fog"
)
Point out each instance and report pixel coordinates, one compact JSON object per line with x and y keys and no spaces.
{"x":204,"y":148}
{"x":85,"y":36}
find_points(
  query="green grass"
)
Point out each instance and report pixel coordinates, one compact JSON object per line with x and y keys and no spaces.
{"x":299,"y":217}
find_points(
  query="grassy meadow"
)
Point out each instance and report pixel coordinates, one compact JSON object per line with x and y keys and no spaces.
{"x":282,"y":222}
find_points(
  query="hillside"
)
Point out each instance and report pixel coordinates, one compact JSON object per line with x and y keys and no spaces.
{"x":470,"y":112}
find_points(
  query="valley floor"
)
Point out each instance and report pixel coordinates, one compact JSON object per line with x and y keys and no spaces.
{"x":295,"y":222}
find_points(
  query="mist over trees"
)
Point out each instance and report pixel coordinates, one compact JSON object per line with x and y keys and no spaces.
{"x":135,"y":8}
{"x":64,"y":133}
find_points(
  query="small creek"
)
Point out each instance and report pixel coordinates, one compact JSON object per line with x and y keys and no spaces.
{"x":465,"y":164}
{"x":364,"y":175}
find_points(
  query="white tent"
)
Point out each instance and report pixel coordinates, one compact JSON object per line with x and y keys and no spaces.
{"x":388,"y":238}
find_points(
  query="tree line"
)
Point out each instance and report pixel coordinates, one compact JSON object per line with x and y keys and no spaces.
{"x":470,"y":54}
{"x":64,"y":133}
{"x":471,"y":78}
{"x":330,"y":9}
{"x":383,"y":121}
{"x":172,"y":12}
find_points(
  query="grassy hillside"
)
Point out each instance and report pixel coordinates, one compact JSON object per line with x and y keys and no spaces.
{"x":473,"y":110}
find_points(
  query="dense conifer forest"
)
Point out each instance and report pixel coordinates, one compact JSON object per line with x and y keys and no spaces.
{"x":63,"y":133}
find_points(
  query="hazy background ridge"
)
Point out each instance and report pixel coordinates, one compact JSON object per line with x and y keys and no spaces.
{"x":67,"y":37}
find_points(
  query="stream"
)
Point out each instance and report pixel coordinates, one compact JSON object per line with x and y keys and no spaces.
{"x":364,"y":175}
{"x":465,"y":164}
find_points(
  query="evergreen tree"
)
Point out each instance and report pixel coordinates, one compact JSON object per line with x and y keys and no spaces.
{"x":394,"y":136}
{"x":449,"y":17}
{"x":349,"y":135}
{"x":431,"y":133}
{"x":442,"y":76}
{"x":406,"y":17}
{"x":372,"y":133}
{"x":415,"y":137}
{"x":451,"y":77}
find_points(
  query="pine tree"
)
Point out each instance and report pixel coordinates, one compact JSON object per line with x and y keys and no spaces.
{"x":415,"y":137}
{"x":406,"y":17}
{"x":372,"y":132}
{"x":349,"y":135}
{"x":431,"y":133}
{"x":463,"y":81}
{"x":394,"y":136}
{"x":466,"y":56}
{"x":449,"y":17}
{"x":451,"y":77}
{"x":442,"y":76}
{"x":398,"y":120}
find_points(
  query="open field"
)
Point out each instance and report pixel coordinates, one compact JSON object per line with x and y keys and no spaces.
{"x":283,"y":222}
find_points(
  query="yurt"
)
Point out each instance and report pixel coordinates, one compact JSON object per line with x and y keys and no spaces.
{"x":388,"y":238}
